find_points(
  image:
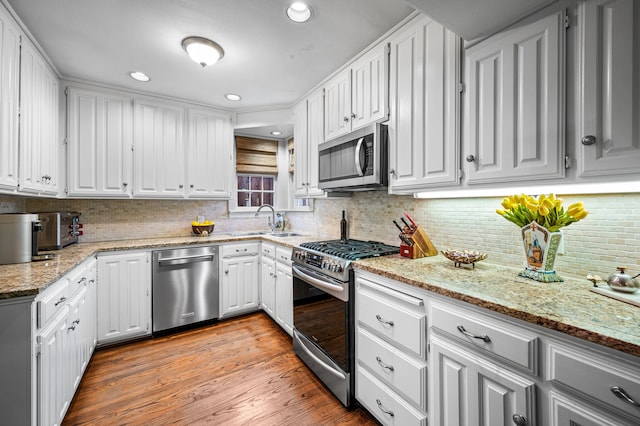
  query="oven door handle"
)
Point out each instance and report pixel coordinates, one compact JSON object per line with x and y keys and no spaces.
{"x":316,"y":282}
{"x":320,"y":362}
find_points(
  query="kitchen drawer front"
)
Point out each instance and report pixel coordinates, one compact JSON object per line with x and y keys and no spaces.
{"x":240,"y":249}
{"x":81,"y":276}
{"x":509,"y":342}
{"x":596,"y":377}
{"x":283,"y":254}
{"x":268,"y":250}
{"x":403,"y":373}
{"x":387,"y":406}
{"x":52,"y":300}
{"x":398,"y":317}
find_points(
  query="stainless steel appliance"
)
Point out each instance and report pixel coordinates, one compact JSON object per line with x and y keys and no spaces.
{"x":59,"y":229}
{"x":323,"y":304}
{"x":185,"y":286}
{"x":355,"y":162}
{"x":17,"y":232}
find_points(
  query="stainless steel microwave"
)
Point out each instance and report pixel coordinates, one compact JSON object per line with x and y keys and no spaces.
{"x":355,"y":162}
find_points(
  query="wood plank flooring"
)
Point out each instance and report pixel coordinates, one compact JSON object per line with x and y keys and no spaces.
{"x":236,"y":372}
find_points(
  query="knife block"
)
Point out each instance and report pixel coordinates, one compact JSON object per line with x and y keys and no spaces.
{"x":422,"y":245}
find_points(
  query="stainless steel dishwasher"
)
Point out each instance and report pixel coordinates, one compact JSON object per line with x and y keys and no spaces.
{"x":185,"y":286}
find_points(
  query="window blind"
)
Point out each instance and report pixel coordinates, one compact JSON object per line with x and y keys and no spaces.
{"x":258,"y":156}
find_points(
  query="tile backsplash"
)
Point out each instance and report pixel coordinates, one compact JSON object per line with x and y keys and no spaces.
{"x":607,"y":238}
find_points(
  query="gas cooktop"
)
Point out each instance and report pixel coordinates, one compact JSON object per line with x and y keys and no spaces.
{"x":352,"y":249}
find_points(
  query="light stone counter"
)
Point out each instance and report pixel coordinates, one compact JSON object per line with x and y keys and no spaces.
{"x":29,"y":279}
{"x":568,"y":307}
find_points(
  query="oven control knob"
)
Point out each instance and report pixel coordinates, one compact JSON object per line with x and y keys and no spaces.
{"x":338,"y":268}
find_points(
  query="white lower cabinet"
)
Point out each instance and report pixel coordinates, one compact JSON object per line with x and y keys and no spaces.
{"x":65,"y":324}
{"x":471,"y":390}
{"x":268,"y":280}
{"x":124,"y":296}
{"x":276,"y":285}
{"x":284,"y":289}
{"x":391,"y":366}
{"x":239,"y":278}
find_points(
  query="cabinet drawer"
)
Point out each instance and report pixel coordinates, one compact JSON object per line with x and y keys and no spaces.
{"x":283,"y":254}
{"x":388,"y":407}
{"x":596,"y":377}
{"x":241,"y":249}
{"x":52,"y":300}
{"x":268,"y":250}
{"x":487,"y":334}
{"x":404,"y":374}
{"x":78,"y":279}
{"x":398,"y":317}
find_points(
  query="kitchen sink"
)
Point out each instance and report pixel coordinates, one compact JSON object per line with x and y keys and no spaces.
{"x":269,"y":233}
{"x":283,"y":234}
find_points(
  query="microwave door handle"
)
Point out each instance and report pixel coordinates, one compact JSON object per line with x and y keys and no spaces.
{"x":357,"y":159}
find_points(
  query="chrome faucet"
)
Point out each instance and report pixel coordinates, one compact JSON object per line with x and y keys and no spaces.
{"x":272,"y":221}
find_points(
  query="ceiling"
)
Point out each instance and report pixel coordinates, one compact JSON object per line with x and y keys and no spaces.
{"x":269,"y":60}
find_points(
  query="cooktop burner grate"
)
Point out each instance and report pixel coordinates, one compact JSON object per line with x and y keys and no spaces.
{"x":352,"y":249}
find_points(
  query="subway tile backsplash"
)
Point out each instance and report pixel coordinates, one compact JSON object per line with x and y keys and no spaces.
{"x":607,"y":238}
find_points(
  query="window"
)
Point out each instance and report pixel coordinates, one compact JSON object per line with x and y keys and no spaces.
{"x":255,"y":190}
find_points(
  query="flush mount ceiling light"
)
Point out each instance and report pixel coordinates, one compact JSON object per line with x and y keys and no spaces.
{"x":140,"y":76}
{"x":232,"y":97}
{"x":276,"y":133}
{"x":299,"y":12}
{"x":202,"y":50}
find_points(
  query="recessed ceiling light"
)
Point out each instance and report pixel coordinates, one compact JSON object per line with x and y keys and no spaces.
{"x":202,"y":50}
{"x":232,"y":97}
{"x":140,"y":76}
{"x":299,"y":12}
{"x":276,"y":133}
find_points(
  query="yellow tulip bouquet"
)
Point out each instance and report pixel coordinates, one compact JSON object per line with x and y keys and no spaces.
{"x":546,"y":210}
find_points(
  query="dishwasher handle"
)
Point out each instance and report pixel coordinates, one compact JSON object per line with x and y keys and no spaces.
{"x":187,"y":259}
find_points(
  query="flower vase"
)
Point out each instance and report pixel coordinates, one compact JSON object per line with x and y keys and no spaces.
{"x":541,"y":248}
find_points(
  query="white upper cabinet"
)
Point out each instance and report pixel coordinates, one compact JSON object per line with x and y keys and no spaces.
{"x":609,"y":43}
{"x":357,"y":96}
{"x":9,"y":91}
{"x":39,"y":145}
{"x":210,"y":138}
{"x":159,"y":149}
{"x":308,"y":134}
{"x":514,"y":104}
{"x":99,"y":143}
{"x":424,"y":103}
{"x":472,"y":19}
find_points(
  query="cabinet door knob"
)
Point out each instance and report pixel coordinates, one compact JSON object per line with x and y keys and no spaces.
{"x":226,"y":271}
{"x":392,"y":172}
{"x":191,"y":186}
{"x":470,"y":158}
{"x":124,"y":184}
{"x":519,"y":420}
{"x":588,"y":140}
{"x":346,"y":119}
{"x":181,"y":186}
{"x":353,"y":115}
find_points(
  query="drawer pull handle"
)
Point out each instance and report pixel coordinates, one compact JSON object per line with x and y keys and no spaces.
{"x":485,"y":338}
{"x":383,"y":365}
{"x":389,"y":323}
{"x":384,"y":410}
{"x":62,"y":299}
{"x":620,"y":393}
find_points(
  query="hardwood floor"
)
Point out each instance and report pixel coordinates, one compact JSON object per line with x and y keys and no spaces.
{"x":236,"y":372}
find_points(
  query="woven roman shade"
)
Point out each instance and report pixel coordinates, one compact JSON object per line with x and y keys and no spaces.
{"x":258,"y":156}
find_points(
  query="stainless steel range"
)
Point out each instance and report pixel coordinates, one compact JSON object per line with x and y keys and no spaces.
{"x":323,"y":308}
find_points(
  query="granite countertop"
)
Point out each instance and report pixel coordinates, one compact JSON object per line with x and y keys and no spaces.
{"x":30,"y":279}
{"x":569,"y":307}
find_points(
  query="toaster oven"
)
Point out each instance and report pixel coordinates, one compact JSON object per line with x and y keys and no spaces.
{"x":59,"y":229}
